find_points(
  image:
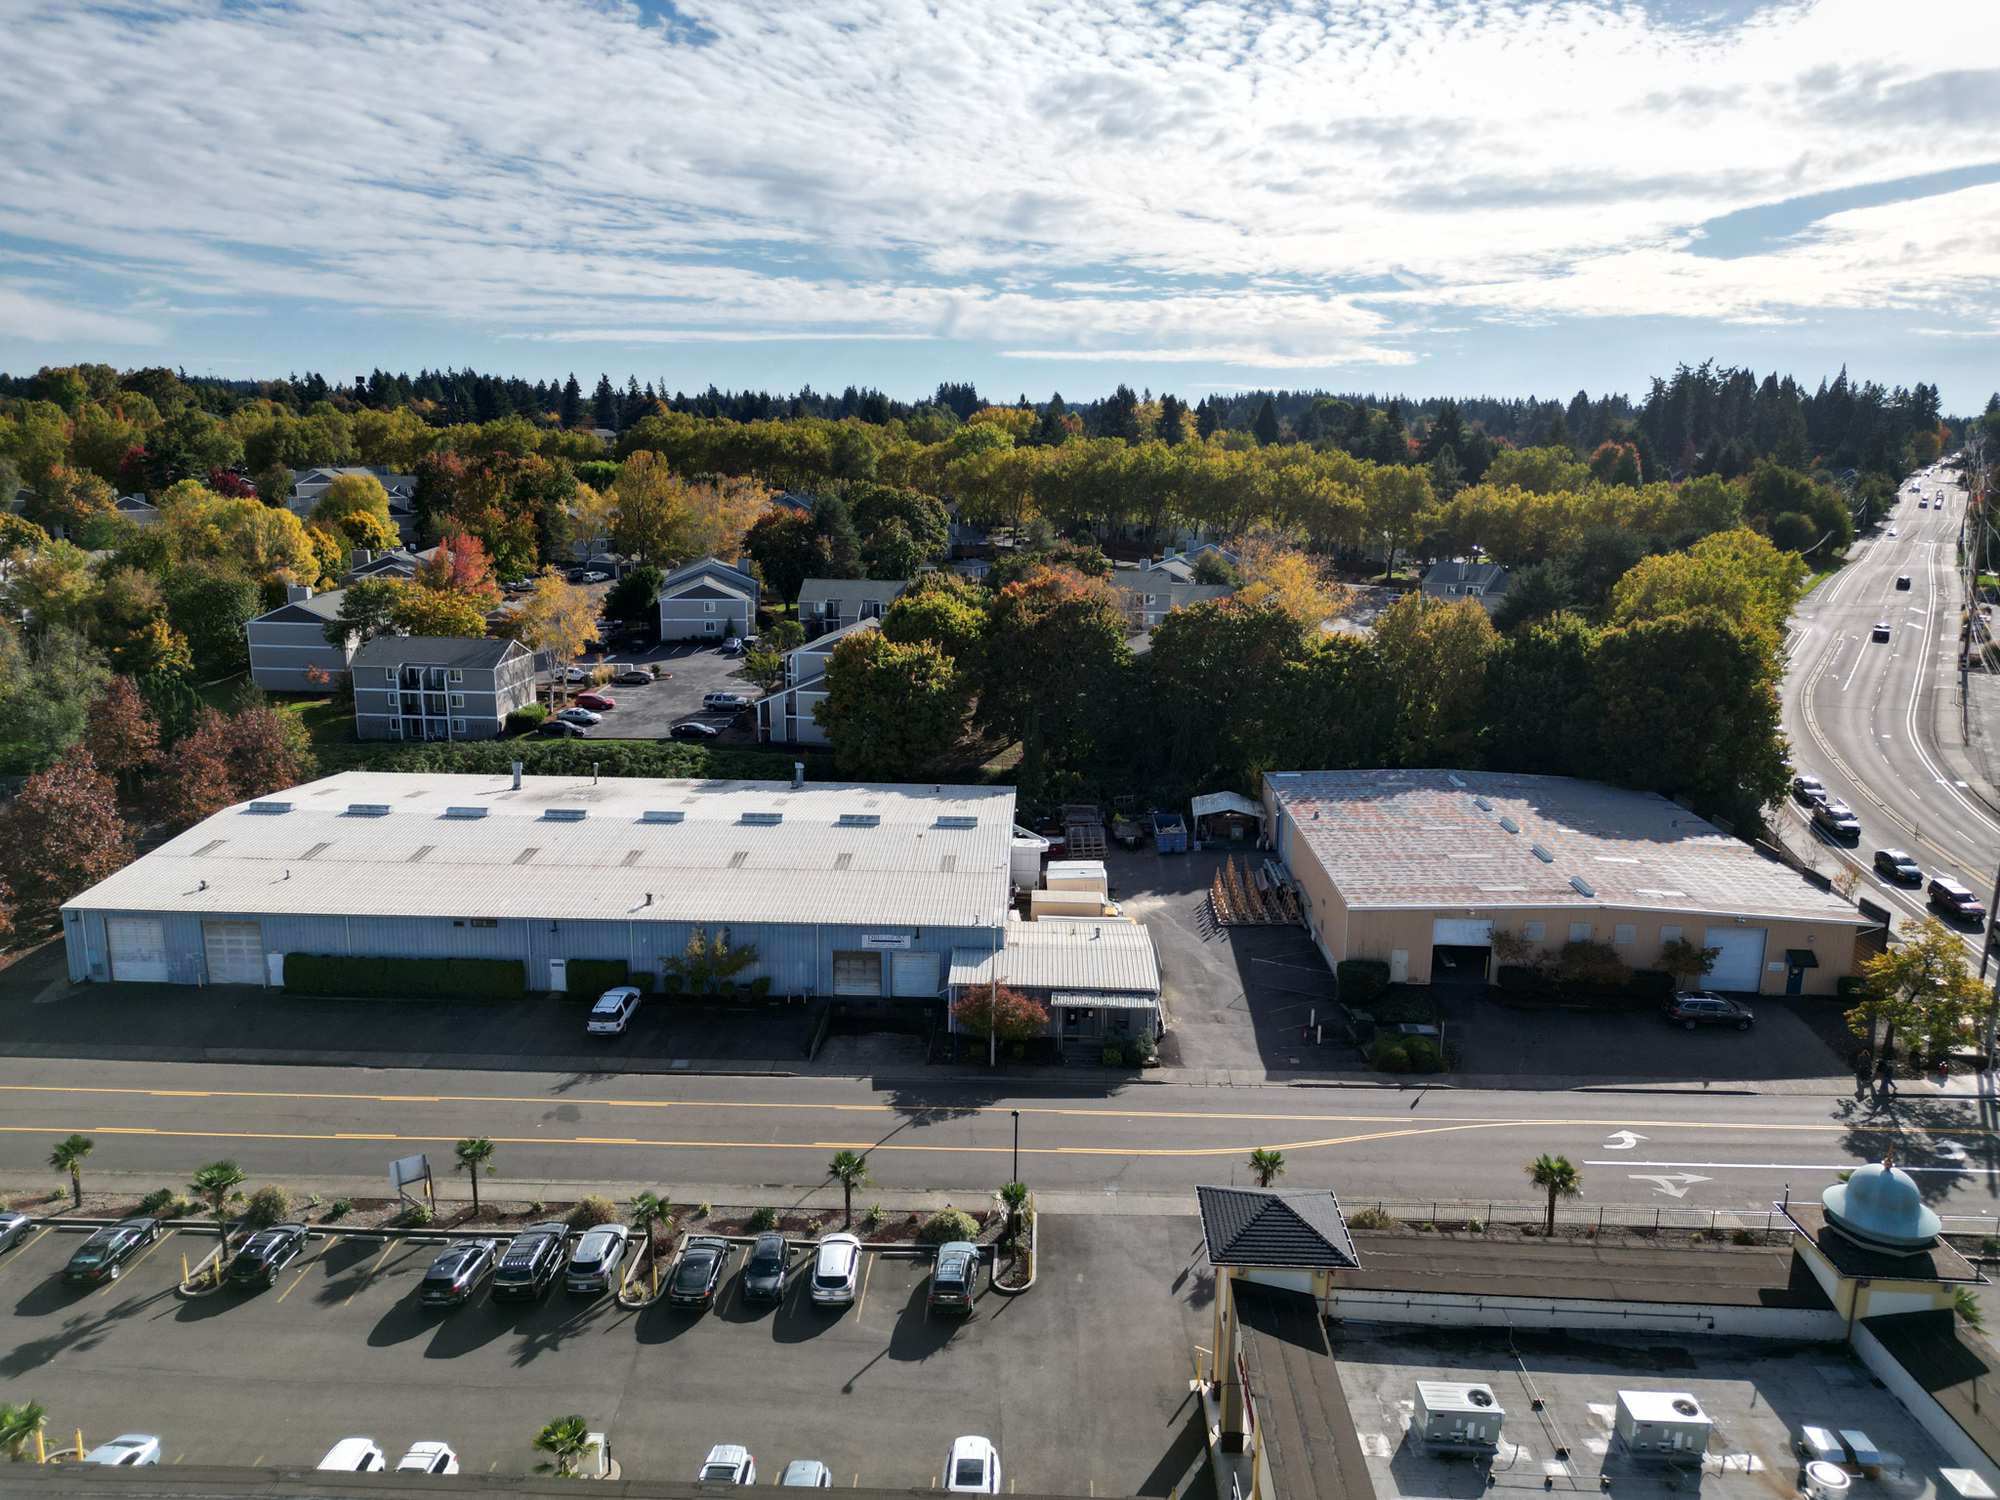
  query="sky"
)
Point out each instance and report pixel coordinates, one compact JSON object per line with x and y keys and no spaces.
{"x":1442,"y":197}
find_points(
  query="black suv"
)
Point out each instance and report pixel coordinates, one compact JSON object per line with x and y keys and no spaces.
{"x":764,"y":1271}
{"x":1808,"y":791}
{"x":455,"y":1275}
{"x":266,"y":1253}
{"x":1898,"y":866}
{"x":1700,"y":1008}
{"x":532,"y":1262}
{"x":1956,"y":902}
{"x":955,"y":1277}
{"x":102,"y":1257}
{"x":699,"y":1271}
{"x":1837,"y":820}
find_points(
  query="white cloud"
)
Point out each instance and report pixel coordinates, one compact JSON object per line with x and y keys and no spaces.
{"x":43,"y":320}
{"x":1185,"y":180}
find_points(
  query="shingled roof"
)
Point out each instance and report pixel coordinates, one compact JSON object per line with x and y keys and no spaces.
{"x":1303,"y":1228}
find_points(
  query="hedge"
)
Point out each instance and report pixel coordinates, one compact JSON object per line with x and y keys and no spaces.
{"x":1361,"y":980}
{"x":528,"y":716}
{"x":405,"y":978}
{"x":587,"y":978}
{"x":652,"y":758}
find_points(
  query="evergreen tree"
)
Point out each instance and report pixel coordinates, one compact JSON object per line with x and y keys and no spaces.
{"x":571,"y":414}
{"x":1207,"y":418}
{"x":1266,"y":425}
{"x":604,"y":404}
{"x":1173,"y":420}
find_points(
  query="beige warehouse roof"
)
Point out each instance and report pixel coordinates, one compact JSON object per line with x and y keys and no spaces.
{"x":1478,"y":839}
{"x":1066,"y":953}
{"x":381,"y":844}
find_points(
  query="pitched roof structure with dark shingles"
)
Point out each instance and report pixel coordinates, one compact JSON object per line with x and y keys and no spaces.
{"x":1299,"y":1229}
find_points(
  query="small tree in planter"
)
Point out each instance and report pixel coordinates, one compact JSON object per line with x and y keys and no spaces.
{"x":707,"y":962}
{"x":1592,"y":966}
{"x":1005,"y":1015}
{"x":1688,"y":962}
{"x":1512,"y":949}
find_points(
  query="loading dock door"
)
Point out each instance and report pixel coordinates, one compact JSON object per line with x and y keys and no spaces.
{"x":857,"y":973}
{"x":913,"y":974}
{"x":138,"y":949}
{"x":1740,"y":963}
{"x":1461,"y":932}
{"x":235,"y":952}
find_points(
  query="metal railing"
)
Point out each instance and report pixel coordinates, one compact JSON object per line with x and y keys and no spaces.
{"x":1460,"y":1213}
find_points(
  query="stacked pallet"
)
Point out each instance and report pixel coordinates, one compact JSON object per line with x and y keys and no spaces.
{"x":1241,"y":897}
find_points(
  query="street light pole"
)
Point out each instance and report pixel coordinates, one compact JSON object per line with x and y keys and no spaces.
{"x":1017,"y":1146}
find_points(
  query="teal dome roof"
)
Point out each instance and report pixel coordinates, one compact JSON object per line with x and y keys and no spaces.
{"x":1879,"y":1207}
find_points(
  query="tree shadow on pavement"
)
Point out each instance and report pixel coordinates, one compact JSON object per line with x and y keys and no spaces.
{"x":1941,"y":1142}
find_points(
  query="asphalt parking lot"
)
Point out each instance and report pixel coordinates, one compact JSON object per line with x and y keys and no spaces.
{"x":649,"y":711}
{"x":341,"y":1347}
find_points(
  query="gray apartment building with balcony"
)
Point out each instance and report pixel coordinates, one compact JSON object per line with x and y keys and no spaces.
{"x":420,"y":687}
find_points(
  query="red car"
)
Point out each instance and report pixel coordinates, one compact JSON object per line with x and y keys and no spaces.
{"x":598,"y":701}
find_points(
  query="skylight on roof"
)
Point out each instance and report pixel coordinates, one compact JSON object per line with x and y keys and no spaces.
{"x":762,"y":819}
{"x":1482,"y":804}
{"x":858,"y":820}
{"x":956,"y":820}
{"x":565,"y":814}
{"x":1510,"y":825}
{"x":1581,"y":886}
{"x":663,"y":815}
{"x":1544,"y":856}
{"x":269,"y":807}
{"x":465,"y":812}
{"x":367,"y":810}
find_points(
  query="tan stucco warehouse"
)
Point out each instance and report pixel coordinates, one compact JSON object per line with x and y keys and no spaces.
{"x":1394,"y":865}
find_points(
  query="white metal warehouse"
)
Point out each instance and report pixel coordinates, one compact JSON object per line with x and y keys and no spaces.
{"x":845,"y":889}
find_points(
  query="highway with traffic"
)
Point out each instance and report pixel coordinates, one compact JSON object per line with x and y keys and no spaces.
{"x":1863,"y":712}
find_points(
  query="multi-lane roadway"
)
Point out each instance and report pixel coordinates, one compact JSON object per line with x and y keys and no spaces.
{"x":1863,"y":715}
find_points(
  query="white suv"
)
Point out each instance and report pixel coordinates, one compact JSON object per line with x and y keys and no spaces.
{"x":836,"y":1270}
{"x":355,"y":1455}
{"x":613,"y":1011}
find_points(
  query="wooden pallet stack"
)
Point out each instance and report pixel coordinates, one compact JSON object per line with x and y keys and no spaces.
{"x":1242,"y":897}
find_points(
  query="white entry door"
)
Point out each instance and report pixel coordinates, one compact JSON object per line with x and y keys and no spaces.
{"x":138,"y":949}
{"x":235,"y":952}
{"x":914,"y":974}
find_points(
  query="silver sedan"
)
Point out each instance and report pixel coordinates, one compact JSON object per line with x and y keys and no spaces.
{"x":14,"y":1228}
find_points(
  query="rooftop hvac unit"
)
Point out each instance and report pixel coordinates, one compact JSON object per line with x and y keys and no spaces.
{"x":1457,"y":1417}
{"x":1664,"y":1424}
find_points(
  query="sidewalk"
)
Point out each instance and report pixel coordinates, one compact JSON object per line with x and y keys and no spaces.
{"x":1968,"y":759}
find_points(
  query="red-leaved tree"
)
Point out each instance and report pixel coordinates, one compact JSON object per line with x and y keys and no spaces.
{"x":194,"y":780}
{"x":263,"y":757}
{"x":231,"y":485}
{"x":123,"y":737}
{"x":1015,"y":1017}
{"x":62,"y":834}
{"x":460,"y":566}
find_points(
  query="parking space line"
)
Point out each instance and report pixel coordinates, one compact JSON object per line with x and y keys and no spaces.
{"x":866,"y":1271}
{"x":45,"y":1231}
{"x":135,"y":1261}
{"x":367,"y":1276}
{"x":295,"y":1281}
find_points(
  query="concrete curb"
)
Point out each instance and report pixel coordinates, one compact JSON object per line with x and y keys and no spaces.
{"x":1034,"y":1254}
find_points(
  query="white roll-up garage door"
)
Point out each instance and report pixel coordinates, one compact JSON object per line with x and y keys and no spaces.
{"x":857,"y":973}
{"x":235,"y":952}
{"x":913,"y":974}
{"x":138,"y":949}
{"x":1461,"y":932}
{"x":1739,"y":965}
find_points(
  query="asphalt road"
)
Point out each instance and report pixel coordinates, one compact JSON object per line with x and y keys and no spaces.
{"x":768,"y":1139}
{"x":1860,"y":714}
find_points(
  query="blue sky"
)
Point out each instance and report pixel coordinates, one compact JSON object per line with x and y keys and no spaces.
{"x":1447,"y":196}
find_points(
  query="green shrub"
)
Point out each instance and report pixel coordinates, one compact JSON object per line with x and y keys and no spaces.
{"x":670,"y":984}
{"x":761,"y":1220}
{"x":703,"y":1210}
{"x":761,"y":986}
{"x":1851,"y":987}
{"x":1361,"y":980}
{"x":268,"y":1206}
{"x":340,"y":1208}
{"x":156,"y":1203}
{"x":587,"y":978}
{"x":1475,"y":1226}
{"x":874,"y":1217}
{"x":1113,"y":1055}
{"x":592,"y":1210}
{"x":948,"y":1224}
{"x":1370,"y":1218}
{"x":1423,"y":1055}
{"x":1743,"y":1237}
{"x":416,"y":1216}
{"x":1652,"y":984}
{"x":529,"y":716}
{"x":405,"y":978}
{"x":1140,"y":1050}
{"x":1389,"y":1055}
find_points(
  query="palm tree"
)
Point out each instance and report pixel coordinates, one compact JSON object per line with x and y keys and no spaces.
{"x":475,"y":1152}
{"x":563,"y":1440}
{"x":1267,"y":1165}
{"x":1014,"y":1195}
{"x":647,"y":1211}
{"x":850,"y":1170}
{"x":1558,"y":1176}
{"x":18,"y":1426}
{"x":68,"y":1157}
{"x":1965,"y":1303}
{"x":219,"y":1184}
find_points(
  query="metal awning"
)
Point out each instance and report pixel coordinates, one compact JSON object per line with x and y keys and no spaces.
{"x":1104,"y":1000}
{"x":1802,"y":958}
{"x":1226,"y":802}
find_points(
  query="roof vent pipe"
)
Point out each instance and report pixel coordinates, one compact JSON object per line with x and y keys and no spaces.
{"x":517,"y":776}
{"x":798,"y":774}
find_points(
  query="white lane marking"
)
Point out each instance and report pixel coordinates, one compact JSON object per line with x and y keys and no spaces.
{"x":1859,"y":657}
{"x":1623,"y":1140}
{"x":1674,"y":1185}
{"x":1761,"y":1166}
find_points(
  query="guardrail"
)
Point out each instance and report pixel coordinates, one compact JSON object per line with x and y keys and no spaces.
{"x":1485,"y":1212}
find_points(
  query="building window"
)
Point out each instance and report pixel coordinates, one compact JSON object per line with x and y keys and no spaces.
{"x":454,"y":675}
{"x":395,"y":729}
{"x":708,"y":608}
{"x":388,"y":674}
{"x":1579,"y":932}
{"x":458,"y":726}
{"x":1533,"y":931}
{"x":1624,"y":934}
{"x":710,"y":627}
{"x":458,"y":700}
{"x":1669,"y":934}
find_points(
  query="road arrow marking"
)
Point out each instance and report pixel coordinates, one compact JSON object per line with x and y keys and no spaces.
{"x":1675,"y":1184}
{"x":1623,"y":1140}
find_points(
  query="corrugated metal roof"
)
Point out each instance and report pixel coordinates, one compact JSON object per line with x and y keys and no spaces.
{"x":1059,"y":953}
{"x":708,"y":866}
{"x":1414,"y":839}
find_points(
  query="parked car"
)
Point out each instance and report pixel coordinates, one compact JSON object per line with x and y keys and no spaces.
{"x":562,"y":729}
{"x":954,"y":1277}
{"x":1903,"y":581}
{"x":266,"y":1253}
{"x":613,"y":1012}
{"x":519,"y":585}
{"x":592,"y":575}
{"x":1700,"y":1008}
{"x":1955,"y":901}
{"x":576,"y":674}
{"x":972,"y":1467}
{"x":593,"y":1265}
{"x":1898,"y":866}
{"x":131,"y":1450}
{"x":1892,"y":531}
{"x":1808,"y":791}
{"x":728,"y":1463}
{"x":457,"y":1272}
{"x":807,"y":1474}
{"x":694,"y":729}
{"x":836,"y":1270}
{"x":699,"y":1271}
{"x":102,"y":1257}
{"x":634,"y":677}
{"x":1837,"y":819}
{"x":14,"y":1227}
{"x":725,"y":702}
{"x":583,"y":716}
{"x":532,"y":1262}
{"x":597,"y":702}
{"x":733,"y":646}
{"x":355,"y":1455}
{"x":428,"y":1458}
{"x":764,"y":1270}
{"x":1881,"y":631}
